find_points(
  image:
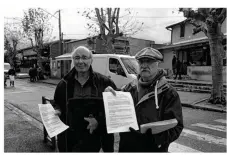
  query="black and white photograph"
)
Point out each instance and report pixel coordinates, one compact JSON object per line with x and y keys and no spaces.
{"x":114,"y":78}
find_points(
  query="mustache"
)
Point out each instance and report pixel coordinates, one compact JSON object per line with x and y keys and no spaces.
{"x":144,"y":69}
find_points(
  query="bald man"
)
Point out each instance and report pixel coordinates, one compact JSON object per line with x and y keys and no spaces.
{"x":82,"y":82}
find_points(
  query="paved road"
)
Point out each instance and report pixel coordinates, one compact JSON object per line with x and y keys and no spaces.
{"x":204,"y":131}
{"x":22,"y":136}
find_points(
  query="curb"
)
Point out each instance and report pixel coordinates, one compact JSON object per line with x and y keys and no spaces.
{"x":203,"y":108}
{"x":47,"y":83}
{"x":183,"y":104}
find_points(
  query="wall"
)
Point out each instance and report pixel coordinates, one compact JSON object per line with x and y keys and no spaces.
{"x":71,"y":45}
{"x":203,"y":73}
{"x":188,"y":33}
{"x":55,"y":69}
{"x":54,"y":50}
{"x":138,"y":44}
{"x":167,"y":57}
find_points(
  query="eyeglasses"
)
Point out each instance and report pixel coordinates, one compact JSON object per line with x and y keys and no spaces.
{"x":83,"y":58}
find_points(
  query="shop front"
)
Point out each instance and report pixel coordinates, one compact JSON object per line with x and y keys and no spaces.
{"x":194,"y":57}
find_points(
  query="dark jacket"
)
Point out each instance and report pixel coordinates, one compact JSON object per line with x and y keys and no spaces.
{"x":11,"y":72}
{"x":174,"y":62}
{"x":146,"y":112}
{"x":64,"y":91}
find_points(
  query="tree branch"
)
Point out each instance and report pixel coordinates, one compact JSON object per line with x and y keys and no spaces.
{"x":113,"y":16}
{"x":109,"y":20}
{"x":222,"y":16}
{"x":117,"y":20}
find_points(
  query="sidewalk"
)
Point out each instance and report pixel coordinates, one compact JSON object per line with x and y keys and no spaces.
{"x":188,"y":99}
{"x":21,"y":136}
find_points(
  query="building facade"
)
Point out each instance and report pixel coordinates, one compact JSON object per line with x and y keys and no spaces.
{"x":27,"y":58}
{"x":192,"y":50}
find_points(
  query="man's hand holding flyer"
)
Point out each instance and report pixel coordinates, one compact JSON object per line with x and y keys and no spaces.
{"x":52,"y":123}
{"x":120,"y":112}
{"x":120,"y":115}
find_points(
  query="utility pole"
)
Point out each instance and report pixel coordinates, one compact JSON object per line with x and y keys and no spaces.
{"x":60,"y":38}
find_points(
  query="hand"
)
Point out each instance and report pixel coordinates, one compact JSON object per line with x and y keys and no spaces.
{"x":147,"y":136}
{"x":92,"y":123}
{"x":110,"y":89}
{"x":57,"y":112}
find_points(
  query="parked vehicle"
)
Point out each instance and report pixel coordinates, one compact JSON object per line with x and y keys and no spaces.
{"x":122,"y":69}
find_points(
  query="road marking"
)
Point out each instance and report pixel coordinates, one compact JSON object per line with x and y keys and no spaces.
{"x":203,"y":137}
{"x":221,"y":121}
{"x":17,"y":92}
{"x":175,"y":147}
{"x":210,"y":126}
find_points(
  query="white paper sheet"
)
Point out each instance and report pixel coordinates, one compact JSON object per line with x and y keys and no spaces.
{"x":120,"y":112}
{"x":52,"y":123}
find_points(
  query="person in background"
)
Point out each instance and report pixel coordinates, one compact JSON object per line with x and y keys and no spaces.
{"x":83,"y":82}
{"x":179,"y":69}
{"x":33,"y":74}
{"x":12,"y":75}
{"x":5,"y":80}
{"x":174,"y":64}
{"x":154,"y":100}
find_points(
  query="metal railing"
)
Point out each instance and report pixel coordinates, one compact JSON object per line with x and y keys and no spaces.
{"x":53,"y":141}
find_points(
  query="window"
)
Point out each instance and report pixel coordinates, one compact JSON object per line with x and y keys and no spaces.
{"x":115,"y":67}
{"x":182,"y":29}
{"x":131,"y":65}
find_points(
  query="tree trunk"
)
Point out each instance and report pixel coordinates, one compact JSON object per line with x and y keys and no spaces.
{"x":109,"y":45}
{"x":216,"y":49}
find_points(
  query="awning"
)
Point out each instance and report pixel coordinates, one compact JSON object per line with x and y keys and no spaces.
{"x":66,"y":56}
{"x":184,"y":45}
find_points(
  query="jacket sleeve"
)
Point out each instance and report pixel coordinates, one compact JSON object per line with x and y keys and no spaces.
{"x":172,"y":109}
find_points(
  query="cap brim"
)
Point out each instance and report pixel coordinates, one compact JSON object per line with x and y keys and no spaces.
{"x":146,"y":56}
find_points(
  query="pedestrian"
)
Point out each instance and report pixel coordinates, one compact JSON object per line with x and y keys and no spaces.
{"x":11,"y":74}
{"x":33,"y":74}
{"x":174,"y":64}
{"x":5,"y":79}
{"x":83,"y":82}
{"x":179,"y":69}
{"x":154,"y":100}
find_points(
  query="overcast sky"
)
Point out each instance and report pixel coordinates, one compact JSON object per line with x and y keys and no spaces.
{"x":73,"y":24}
{"x":154,"y":17}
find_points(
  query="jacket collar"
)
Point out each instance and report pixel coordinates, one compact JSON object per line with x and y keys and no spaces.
{"x":73,"y":72}
{"x":162,"y":86}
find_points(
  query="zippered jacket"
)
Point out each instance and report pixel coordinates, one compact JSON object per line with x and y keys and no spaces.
{"x":64,"y":91}
{"x":161,"y":102}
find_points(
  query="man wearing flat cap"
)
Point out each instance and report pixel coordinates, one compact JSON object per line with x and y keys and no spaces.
{"x":154,"y":100}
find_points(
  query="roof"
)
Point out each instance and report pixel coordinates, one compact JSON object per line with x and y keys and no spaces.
{"x":71,"y":41}
{"x":183,"y":44}
{"x":65,"y":56}
{"x":170,"y":26}
{"x":45,"y":44}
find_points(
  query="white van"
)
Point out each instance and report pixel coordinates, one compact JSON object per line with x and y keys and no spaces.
{"x":122,"y":69}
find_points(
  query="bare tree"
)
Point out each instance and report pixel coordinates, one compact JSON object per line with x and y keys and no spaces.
{"x":209,"y":21}
{"x":13,"y":35}
{"x":37,"y":28}
{"x":108,"y":24}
